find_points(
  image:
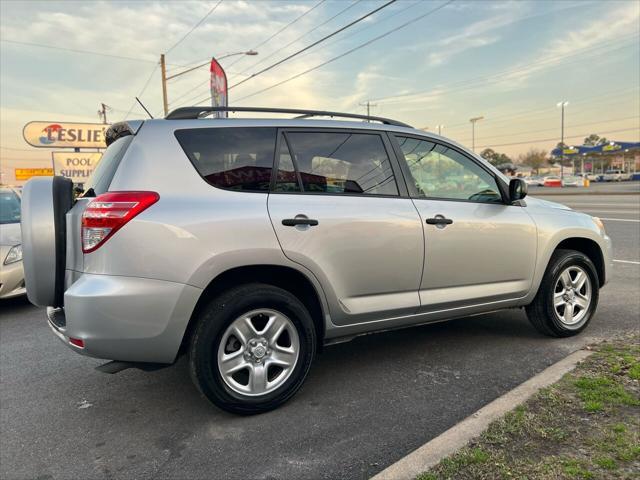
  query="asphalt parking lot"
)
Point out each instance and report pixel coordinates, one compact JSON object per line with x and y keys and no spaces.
{"x":365,"y":405}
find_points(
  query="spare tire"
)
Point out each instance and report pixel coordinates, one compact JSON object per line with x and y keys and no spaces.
{"x":45,"y":202}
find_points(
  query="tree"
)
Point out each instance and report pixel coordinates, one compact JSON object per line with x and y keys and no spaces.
{"x":593,"y":140}
{"x":534,"y":158}
{"x":495,"y":158}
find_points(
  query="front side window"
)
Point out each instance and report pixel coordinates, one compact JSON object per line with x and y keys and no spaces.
{"x":342,"y":163}
{"x":231,"y":158}
{"x":441,"y":172}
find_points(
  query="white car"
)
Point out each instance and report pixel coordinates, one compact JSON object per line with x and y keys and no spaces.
{"x":534,"y":181}
{"x":11,"y":270}
{"x":616,"y":176}
{"x":572,"y":181}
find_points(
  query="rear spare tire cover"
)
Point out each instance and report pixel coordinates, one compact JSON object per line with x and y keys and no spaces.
{"x":45,"y":201}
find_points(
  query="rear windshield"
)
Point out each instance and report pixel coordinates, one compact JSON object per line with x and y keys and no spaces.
{"x":106,"y":169}
{"x":231,"y":158}
{"x":9,"y":207}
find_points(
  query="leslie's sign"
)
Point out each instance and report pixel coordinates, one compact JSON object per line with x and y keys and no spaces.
{"x":71,"y":135}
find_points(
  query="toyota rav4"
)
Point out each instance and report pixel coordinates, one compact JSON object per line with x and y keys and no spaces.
{"x":247,"y":244}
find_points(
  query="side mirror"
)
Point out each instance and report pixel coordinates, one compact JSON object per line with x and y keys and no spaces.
{"x":517,"y":189}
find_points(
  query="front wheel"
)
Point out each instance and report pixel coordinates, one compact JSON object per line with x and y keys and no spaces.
{"x":252,"y":348}
{"x":568,"y":295}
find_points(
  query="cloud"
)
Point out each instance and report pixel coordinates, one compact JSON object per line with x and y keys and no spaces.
{"x":617,"y":24}
{"x":478,"y":34}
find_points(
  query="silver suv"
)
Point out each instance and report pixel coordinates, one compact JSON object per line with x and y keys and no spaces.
{"x":247,"y":244}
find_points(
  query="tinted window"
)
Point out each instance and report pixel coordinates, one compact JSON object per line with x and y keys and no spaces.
{"x":9,"y":207}
{"x":441,"y":172}
{"x":342,"y":163}
{"x":232,"y":158}
{"x":106,"y":169}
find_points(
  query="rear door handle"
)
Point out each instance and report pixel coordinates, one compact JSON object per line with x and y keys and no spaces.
{"x":292,"y":222}
{"x":439,"y":220}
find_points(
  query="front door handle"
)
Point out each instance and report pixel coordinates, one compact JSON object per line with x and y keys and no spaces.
{"x":439,"y":220}
{"x":292,"y":222}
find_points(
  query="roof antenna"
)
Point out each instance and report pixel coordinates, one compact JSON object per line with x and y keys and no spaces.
{"x":145,"y":108}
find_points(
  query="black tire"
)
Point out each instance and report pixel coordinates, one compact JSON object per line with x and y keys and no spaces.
{"x":211,"y":326}
{"x":541,"y":311}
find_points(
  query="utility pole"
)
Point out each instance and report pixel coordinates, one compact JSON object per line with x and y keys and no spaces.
{"x":368,"y":105}
{"x":439,"y":127}
{"x":102,"y":113}
{"x":163,"y":70}
{"x":562,"y":104}
{"x":473,"y":131}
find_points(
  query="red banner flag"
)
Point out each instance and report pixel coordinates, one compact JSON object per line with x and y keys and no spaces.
{"x":219,"y":96}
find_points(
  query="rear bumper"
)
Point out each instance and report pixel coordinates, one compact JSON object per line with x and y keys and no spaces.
{"x":125,"y":318}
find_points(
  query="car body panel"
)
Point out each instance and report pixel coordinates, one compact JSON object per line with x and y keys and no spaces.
{"x":366,"y":251}
{"x":132,"y":298}
{"x":458,"y":272}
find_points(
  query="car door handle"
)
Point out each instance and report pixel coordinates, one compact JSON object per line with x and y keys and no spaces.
{"x":292,"y":222}
{"x":439,"y":220}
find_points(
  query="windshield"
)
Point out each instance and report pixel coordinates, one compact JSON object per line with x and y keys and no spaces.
{"x":9,"y":207}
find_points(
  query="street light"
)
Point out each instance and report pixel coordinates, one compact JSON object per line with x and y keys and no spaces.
{"x":163,"y":70}
{"x":561,"y":105}
{"x":473,"y":131}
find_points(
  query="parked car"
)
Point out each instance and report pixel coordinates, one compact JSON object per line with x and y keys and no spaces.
{"x":592,"y":177}
{"x":247,"y":244}
{"x":11,"y":271}
{"x":572,"y":181}
{"x":552,"y":181}
{"x":534,"y":181}
{"x":616,"y":176}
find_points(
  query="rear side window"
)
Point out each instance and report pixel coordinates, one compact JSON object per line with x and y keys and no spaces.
{"x":342,"y":163}
{"x":231,"y":158}
{"x":105,"y":171}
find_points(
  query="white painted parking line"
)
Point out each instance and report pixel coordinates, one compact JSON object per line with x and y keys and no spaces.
{"x":628,"y":261}
{"x":619,"y":220}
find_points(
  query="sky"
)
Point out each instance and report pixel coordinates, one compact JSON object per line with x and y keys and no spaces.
{"x":426,"y":63}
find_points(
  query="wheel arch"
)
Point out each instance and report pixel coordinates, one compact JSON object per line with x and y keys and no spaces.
{"x":285,"y":277}
{"x":588,"y":247}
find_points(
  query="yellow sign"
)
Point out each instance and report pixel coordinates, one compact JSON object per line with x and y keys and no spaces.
{"x":65,"y":134}
{"x":27,"y":173}
{"x":611,"y":148}
{"x":570,"y":151}
{"x":78,"y":166}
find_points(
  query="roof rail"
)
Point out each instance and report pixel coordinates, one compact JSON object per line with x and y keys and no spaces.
{"x":191,"y":113}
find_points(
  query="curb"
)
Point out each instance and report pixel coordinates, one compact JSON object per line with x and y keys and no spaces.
{"x":432,"y":452}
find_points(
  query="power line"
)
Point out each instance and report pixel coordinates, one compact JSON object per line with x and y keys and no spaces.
{"x":264,"y":59}
{"x":281,"y":29}
{"x":501,"y":73}
{"x":599,"y":122}
{"x":536,"y":112}
{"x":344,"y":37}
{"x":362,"y":45}
{"x":553,"y":139}
{"x":194,"y":27}
{"x":144,"y":87}
{"x":317,"y":42}
{"x":75,"y":50}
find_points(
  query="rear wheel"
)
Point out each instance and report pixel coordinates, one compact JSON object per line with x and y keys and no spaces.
{"x":568,"y":295}
{"x":252,"y":348}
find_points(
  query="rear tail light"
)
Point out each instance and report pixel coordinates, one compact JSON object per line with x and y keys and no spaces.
{"x":78,"y":342}
{"x":109,"y":212}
